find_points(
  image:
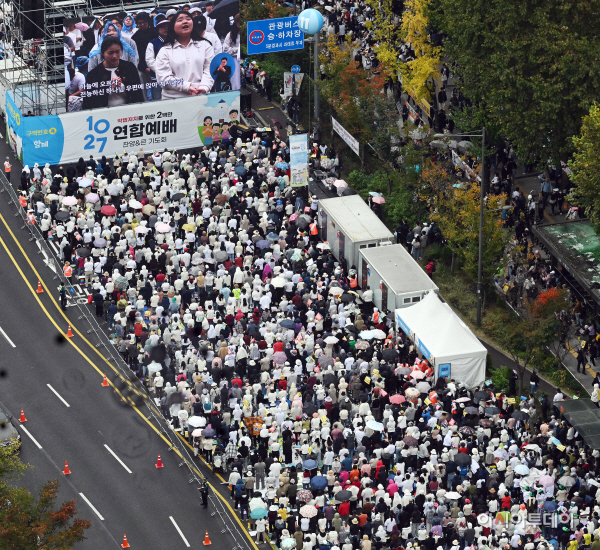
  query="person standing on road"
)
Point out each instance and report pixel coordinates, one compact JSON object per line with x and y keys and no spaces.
{"x":7,"y":169}
{"x":62,"y":291}
{"x":204,"y":493}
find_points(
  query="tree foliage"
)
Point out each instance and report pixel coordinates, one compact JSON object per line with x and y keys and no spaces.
{"x":456,"y":212}
{"x":585,"y":166}
{"x":530,"y":66}
{"x":29,"y":522}
{"x":416,"y":75}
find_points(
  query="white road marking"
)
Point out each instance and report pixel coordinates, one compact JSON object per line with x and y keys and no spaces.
{"x":30,"y":436}
{"x":7,"y":338}
{"x":57,"y":395}
{"x":179,"y":531}
{"x":46,"y":260}
{"x":51,"y":243}
{"x":117,"y":458}
{"x":91,"y":506}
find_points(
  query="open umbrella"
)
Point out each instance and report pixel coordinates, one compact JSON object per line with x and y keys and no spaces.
{"x":282,"y":165}
{"x":188,"y":227}
{"x":452,"y":495}
{"x":486,"y":423}
{"x":480,"y":396}
{"x":340,"y":184}
{"x":403,"y":370}
{"x":62,"y":216}
{"x":308,"y":511}
{"x":136,"y":205}
{"x":197,"y":432}
{"x":142,"y":229}
{"x":491,"y":411}
{"x":208,"y":432}
{"x":343,"y":496}
{"x":323,"y":246}
{"x":288,"y":544}
{"x":148,"y":209}
{"x":347,"y":298}
{"x":273,"y":237}
{"x":259,"y":513}
{"x":108,"y":210}
{"x":263,"y":244}
{"x":309,"y":464}
{"x":177,"y":196}
{"x":471,"y":410}
{"x":423,"y":386}
{"x":397,"y":399}
{"x":375,"y":426}
{"x":163,"y":228}
{"x":546,"y":481}
{"x":550,"y":506}
{"x":221,"y":256}
{"x":566,"y":481}
{"x":466,"y":430}
{"x":113,"y":190}
{"x":532,"y":447}
{"x":521,"y":469}
{"x":361,"y":344}
{"x":520,"y":415}
{"x":304,"y":495}
{"x":336,"y":291}
{"x":347,"y":192}
{"x":92,"y":197}
{"x":85,"y":182}
{"x":69,"y":201}
{"x":501,"y":453}
{"x":410,"y":441}
{"x":318,"y":482}
{"x":278,"y":282}
{"x":99,"y":242}
{"x":417,"y":374}
{"x":196,"y":422}
{"x":83,"y":252}
{"x":331,"y":340}
{"x":287,"y":323}
{"x":463,"y":400}
{"x":390,"y":355}
{"x":378,"y":334}
{"x":367,"y":334}
{"x":379,"y":200}
{"x":462,"y":459}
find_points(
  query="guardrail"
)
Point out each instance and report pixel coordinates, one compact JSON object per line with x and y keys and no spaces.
{"x":125,"y":378}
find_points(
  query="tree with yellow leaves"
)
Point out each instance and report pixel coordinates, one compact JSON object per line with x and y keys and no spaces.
{"x":416,"y":75}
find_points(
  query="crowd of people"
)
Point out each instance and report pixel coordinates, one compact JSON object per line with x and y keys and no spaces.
{"x":150,"y":55}
{"x":329,"y":427}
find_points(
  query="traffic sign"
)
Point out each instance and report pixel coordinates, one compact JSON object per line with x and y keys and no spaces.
{"x":296,"y":69}
{"x":274,"y":35}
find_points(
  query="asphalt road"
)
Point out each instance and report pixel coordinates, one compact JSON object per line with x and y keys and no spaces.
{"x":111,"y":447}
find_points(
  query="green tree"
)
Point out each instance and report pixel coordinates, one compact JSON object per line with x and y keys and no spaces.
{"x":585,"y":166}
{"x":530,"y":67}
{"x":29,"y":522}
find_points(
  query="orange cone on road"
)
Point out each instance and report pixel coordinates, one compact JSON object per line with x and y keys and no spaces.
{"x":69,"y":332}
{"x":125,"y":543}
{"x":39,"y":288}
{"x":206,"y":540}
{"x":22,"y":419}
{"x":159,"y":463}
{"x":66,"y":471}
{"x":105,"y":383}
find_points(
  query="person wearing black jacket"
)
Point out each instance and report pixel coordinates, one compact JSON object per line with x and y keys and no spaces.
{"x":122,"y":78}
{"x":146,"y":32}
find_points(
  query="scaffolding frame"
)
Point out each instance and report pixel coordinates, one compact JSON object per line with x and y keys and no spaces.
{"x":33,"y":68}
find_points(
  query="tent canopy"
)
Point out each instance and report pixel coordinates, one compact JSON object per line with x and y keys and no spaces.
{"x":444,"y":340}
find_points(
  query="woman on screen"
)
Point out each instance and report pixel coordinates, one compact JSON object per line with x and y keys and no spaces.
{"x":114,"y":81}
{"x":129,"y":48}
{"x":129,"y":26}
{"x":183,"y":63}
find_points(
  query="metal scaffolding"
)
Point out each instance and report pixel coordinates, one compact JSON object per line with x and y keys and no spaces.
{"x":32,"y":66}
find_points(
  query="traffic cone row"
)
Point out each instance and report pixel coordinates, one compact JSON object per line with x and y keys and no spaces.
{"x":69,"y":332}
{"x":39,"y":288}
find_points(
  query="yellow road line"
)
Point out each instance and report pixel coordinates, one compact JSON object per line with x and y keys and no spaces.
{"x":75,"y":346}
{"x":574,"y":354}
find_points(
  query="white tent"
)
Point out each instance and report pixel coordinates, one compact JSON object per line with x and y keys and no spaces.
{"x":444,"y":340}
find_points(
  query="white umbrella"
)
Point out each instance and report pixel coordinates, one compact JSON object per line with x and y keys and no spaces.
{"x":141,"y":229}
{"x":154,"y":367}
{"x":113,"y":190}
{"x":163,"y":228}
{"x":336,"y":291}
{"x":195,"y":421}
{"x":521,"y":469}
{"x":378,"y":334}
{"x":324,"y":246}
{"x":375,"y":426}
{"x":465,"y":145}
{"x":331,"y":340}
{"x":439,"y":144}
{"x":340,"y":184}
{"x":52,"y":196}
{"x":92,"y":197}
{"x":85,"y":182}
{"x":69,"y":201}
{"x":423,"y":386}
{"x":278,"y":282}
{"x":452,"y":495}
{"x":135,"y":204}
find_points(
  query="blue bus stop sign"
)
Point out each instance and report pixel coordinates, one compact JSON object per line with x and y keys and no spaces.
{"x":296,"y":69}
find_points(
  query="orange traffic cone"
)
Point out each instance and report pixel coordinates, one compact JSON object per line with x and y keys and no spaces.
{"x":22,"y":419}
{"x":39,"y":288}
{"x":69,"y":332}
{"x":105,"y":383}
{"x":159,"y":463}
{"x":125,"y":543}
{"x":206,"y":540}
{"x":66,"y":471}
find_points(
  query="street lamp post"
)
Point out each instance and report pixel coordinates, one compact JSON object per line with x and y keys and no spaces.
{"x":481,"y":201}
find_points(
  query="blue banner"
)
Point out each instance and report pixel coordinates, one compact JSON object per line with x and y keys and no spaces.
{"x":274,"y":35}
{"x":299,"y":160}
